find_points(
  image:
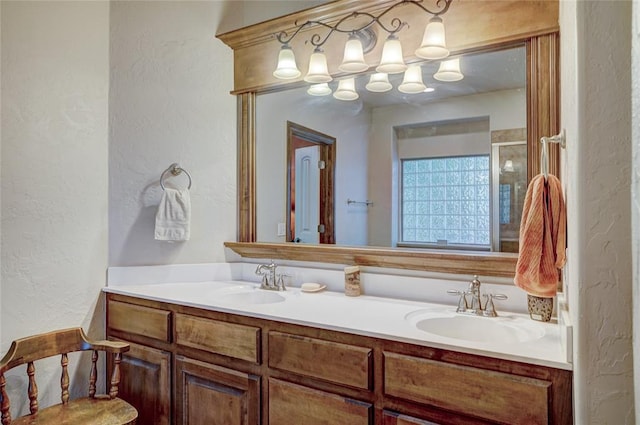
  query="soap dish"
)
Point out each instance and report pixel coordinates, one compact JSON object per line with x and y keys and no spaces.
{"x":312,"y":287}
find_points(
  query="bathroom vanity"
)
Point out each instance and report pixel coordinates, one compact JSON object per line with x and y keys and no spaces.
{"x":228,"y":353}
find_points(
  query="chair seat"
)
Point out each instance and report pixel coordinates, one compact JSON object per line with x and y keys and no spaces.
{"x":94,"y":411}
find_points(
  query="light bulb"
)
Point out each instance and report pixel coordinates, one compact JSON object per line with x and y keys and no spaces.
{"x":433,"y":42}
{"x":449,"y":70}
{"x":287,"y":68}
{"x":353,"y":60}
{"x":379,"y":82}
{"x":346,"y":90}
{"x":321,"y":89}
{"x":318,"y":70}
{"x":412,"y":82}
{"x":392,"y":61}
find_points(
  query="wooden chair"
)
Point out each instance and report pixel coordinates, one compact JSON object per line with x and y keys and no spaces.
{"x":94,"y":409}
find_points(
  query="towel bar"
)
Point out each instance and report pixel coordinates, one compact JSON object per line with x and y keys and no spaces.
{"x":175,"y":170}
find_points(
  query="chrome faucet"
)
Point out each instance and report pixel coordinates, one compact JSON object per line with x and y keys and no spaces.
{"x":474,"y":290}
{"x":474,"y":307}
{"x":270,"y":280}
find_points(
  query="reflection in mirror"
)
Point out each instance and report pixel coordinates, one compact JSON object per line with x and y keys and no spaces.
{"x":436,"y":165}
{"x":310,"y":185}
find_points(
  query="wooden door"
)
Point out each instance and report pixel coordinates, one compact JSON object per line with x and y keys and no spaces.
{"x":207,"y":394}
{"x":146,"y":383}
{"x":307,"y":194}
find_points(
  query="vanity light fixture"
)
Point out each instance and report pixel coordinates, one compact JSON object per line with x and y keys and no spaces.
{"x":449,"y":70}
{"x":392,"y":61}
{"x":321,"y":89}
{"x":318,"y":70}
{"x":433,"y":42}
{"x":412,"y":82}
{"x":357,"y":24}
{"x":346,"y":90}
{"x":508,"y":166}
{"x":353,"y":60}
{"x":379,"y":83}
{"x":287,"y":68}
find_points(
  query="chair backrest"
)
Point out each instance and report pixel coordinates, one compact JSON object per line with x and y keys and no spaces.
{"x":61,"y":342}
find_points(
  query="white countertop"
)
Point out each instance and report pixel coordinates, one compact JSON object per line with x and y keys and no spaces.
{"x":365,"y":315}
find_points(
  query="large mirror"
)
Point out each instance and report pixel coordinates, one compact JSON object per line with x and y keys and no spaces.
{"x":442,"y":169}
{"x":472,"y":27}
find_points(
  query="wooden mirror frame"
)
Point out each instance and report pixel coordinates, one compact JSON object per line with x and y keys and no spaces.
{"x":472,"y":26}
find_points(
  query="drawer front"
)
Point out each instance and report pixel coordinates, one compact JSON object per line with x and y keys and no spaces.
{"x":330,"y":361}
{"x":229,"y":339}
{"x":487,"y":394}
{"x":393,"y":418}
{"x":294,"y":404}
{"x":139,"y":320}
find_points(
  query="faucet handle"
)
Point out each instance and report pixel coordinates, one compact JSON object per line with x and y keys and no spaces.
{"x":490,"y":308}
{"x":280,"y":285}
{"x":462,"y":302}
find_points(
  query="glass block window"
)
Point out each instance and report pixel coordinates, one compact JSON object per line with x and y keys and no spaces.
{"x":445,"y":201}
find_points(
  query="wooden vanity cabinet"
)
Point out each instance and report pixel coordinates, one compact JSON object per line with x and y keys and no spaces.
{"x":193,"y":366}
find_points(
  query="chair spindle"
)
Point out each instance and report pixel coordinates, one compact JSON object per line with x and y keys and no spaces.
{"x":115,"y":377}
{"x":64,"y":380}
{"x":4,"y":402}
{"x":93,"y":376}
{"x":33,"y":388}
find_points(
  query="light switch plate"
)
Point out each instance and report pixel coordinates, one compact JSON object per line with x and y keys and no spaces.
{"x":281,"y":229}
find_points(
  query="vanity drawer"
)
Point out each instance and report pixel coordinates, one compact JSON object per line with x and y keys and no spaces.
{"x":229,"y":339}
{"x":483,"y":393}
{"x":294,"y":404}
{"x":139,"y":320}
{"x":330,"y":361}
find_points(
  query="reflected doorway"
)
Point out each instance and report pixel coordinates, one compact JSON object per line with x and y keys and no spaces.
{"x":310,"y":185}
{"x":509,"y":190}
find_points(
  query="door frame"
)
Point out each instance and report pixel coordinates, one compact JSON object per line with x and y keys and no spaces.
{"x":327,"y":146}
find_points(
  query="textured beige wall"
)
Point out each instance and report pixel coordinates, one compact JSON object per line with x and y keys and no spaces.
{"x":170,"y":102}
{"x":55,"y":77}
{"x":596,"y":112}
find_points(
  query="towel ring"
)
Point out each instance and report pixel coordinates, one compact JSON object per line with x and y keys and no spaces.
{"x":174,"y":169}
{"x":559,"y":139}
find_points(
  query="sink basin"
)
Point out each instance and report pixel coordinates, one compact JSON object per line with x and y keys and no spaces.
{"x":500,"y":330}
{"x":252,"y":297}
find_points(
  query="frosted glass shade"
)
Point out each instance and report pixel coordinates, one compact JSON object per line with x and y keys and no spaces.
{"x":379,"y":82}
{"x":321,"y":89}
{"x":508,"y":166}
{"x":433,"y":44}
{"x":412,"y":82}
{"x":287,"y":68}
{"x":318,"y":70}
{"x":346,"y":90}
{"x":353,"y":60}
{"x":392,"y":61}
{"x":449,"y":71}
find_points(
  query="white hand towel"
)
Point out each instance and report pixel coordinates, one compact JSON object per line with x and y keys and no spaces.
{"x":173,"y":216}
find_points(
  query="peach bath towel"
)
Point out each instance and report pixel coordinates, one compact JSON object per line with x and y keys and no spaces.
{"x":543,"y":234}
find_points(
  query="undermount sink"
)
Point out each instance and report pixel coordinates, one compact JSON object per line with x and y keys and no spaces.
{"x":252,"y":297}
{"x":499,"y":330}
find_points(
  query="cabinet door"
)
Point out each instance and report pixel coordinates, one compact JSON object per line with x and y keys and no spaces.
{"x":291,"y":404}
{"x":146,"y":383}
{"x":207,"y":394}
